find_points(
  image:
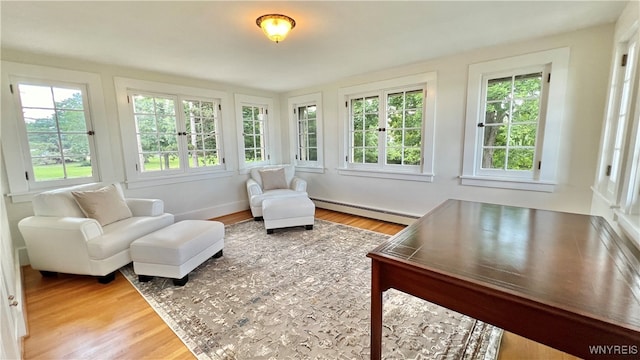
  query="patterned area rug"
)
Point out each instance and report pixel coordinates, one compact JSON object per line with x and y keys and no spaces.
{"x":300,"y":294}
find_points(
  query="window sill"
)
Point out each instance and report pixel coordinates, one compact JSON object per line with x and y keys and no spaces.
{"x":173,"y":179}
{"x":386,"y":174}
{"x":513,"y":184}
{"x":629,"y":225}
{"x":310,"y":169}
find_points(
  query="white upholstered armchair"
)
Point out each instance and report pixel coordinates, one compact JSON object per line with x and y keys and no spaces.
{"x":87,"y":229}
{"x":273,"y":181}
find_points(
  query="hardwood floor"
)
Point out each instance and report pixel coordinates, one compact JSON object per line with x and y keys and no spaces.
{"x":75,"y":317}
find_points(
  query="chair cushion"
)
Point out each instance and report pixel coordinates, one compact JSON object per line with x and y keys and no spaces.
{"x":289,"y":173}
{"x":273,"y":179}
{"x":119,"y":235}
{"x":106,"y":205}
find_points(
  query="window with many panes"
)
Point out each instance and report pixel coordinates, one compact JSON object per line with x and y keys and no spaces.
{"x":253,"y":132}
{"x":57,"y":123}
{"x":618,"y":175}
{"x":389,"y":128}
{"x":306,"y":134}
{"x":509,"y":128}
{"x":514,"y":115}
{"x":386,"y":130}
{"x":170,"y":132}
{"x":252,"y":115}
{"x":307,"y":121}
{"x":175,"y":132}
{"x":618,"y":123}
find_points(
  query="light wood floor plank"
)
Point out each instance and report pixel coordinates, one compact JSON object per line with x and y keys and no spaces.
{"x":75,"y":317}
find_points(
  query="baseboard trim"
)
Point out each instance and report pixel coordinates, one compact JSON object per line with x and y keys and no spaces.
{"x":374,"y":213}
{"x":23,"y":256}
{"x":212,"y":212}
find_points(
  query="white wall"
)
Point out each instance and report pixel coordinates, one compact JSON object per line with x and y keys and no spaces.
{"x":589,"y":68}
{"x":194,"y":200}
{"x":590,"y":56}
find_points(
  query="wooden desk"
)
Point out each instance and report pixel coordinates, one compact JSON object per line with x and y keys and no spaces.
{"x":564,"y":280}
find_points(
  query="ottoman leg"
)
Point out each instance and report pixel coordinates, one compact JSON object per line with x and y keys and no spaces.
{"x":144,"y":278}
{"x":107,"y":278}
{"x":269,"y":231}
{"x":217,"y":255}
{"x":181,"y":282}
{"x":308,"y":227}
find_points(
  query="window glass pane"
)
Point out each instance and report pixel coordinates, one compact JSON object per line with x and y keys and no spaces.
{"x":371,"y":155}
{"x":371,"y":105}
{"x":313,"y":154}
{"x":495,"y":135}
{"x":48,"y":169}
{"x":493,"y":158}
{"x":520,"y":159}
{"x":70,"y":99}
{"x":412,"y":156}
{"x":499,"y":89}
{"x":394,"y":155}
{"x":34,"y":96}
{"x":70,"y":120}
{"x":44,"y":144}
{"x":357,"y":155}
{"x":523,"y":135}
{"x":527,"y":86}
{"x":526,"y":110}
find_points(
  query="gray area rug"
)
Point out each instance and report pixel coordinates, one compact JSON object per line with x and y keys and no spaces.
{"x":300,"y":294}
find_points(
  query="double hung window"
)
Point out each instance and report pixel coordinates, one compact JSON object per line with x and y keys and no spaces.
{"x":389,"y":128}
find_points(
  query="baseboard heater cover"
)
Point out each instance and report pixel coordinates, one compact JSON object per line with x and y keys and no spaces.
{"x":359,"y":207}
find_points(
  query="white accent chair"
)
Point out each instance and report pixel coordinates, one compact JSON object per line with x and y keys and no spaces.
{"x":294,"y":186}
{"x":60,"y":238}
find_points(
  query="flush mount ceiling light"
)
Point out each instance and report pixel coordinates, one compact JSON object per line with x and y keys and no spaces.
{"x":275,"y":26}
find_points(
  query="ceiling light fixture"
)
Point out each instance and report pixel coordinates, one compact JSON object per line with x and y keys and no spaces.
{"x":275,"y":26}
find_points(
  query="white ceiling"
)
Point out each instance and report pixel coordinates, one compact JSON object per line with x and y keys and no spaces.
{"x":219,"y":40}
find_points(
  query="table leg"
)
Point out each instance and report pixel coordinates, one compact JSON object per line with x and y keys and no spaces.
{"x":376,"y":312}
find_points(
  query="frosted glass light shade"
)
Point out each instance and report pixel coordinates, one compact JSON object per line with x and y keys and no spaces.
{"x":275,"y":26}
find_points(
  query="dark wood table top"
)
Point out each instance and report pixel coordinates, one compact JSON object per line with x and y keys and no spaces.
{"x":560,"y":260}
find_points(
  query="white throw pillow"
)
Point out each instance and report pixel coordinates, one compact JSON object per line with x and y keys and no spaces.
{"x":273,"y":179}
{"x":106,"y":205}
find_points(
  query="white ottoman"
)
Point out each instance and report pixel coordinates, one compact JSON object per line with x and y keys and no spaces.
{"x":177,"y":249}
{"x":288,"y":212}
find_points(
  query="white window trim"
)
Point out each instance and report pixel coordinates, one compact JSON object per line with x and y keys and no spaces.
{"x":241,"y":100}
{"x":424,"y":172}
{"x":19,"y":187}
{"x":135,"y":179}
{"x":546,"y":178}
{"x":293,"y":103}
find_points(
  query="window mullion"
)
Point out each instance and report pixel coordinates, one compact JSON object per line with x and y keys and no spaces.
{"x":382,"y":124}
{"x":181,"y":127}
